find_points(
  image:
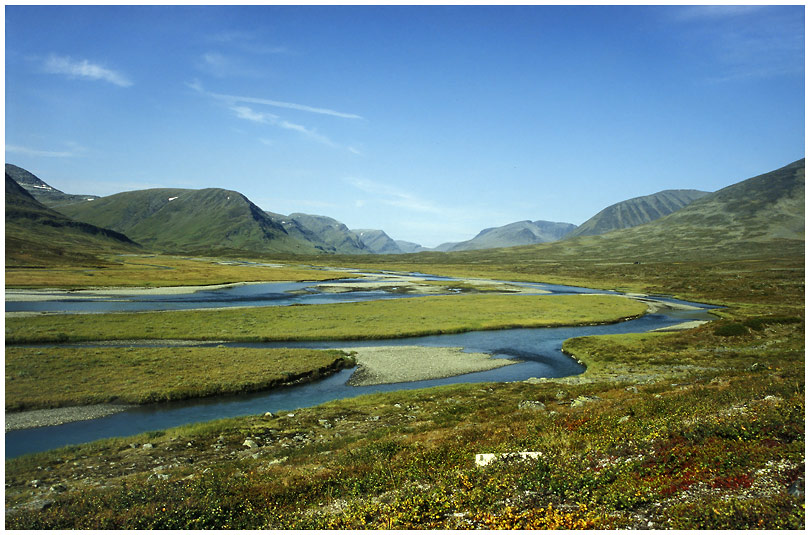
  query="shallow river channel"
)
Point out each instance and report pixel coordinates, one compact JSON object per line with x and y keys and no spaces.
{"x":538,"y":350}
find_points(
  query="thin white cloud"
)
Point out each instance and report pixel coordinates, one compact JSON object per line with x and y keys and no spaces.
{"x":17,"y":149}
{"x":234,"y":99}
{"x":84,"y":69}
{"x":243,"y":112}
{"x":248,"y":114}
{"x":223,"y":66}
{"x":288,"y":105}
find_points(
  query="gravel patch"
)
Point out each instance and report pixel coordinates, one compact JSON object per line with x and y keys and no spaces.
{"x":398,"y":364}
{"x":63,"y":415}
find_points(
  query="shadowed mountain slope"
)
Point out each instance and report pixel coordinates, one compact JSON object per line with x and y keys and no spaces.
{"x":41,"y":191}
{"x":186,"y":220}
{"x":331,"y":232}
{"x":410,"y":247}
{"x":38,"y":235}
{"x":637,"y":211}
{"x":518,"y":233}
{"x":378,"y":242}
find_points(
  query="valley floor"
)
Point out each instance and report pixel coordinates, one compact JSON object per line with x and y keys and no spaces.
{"x":701,"y":428}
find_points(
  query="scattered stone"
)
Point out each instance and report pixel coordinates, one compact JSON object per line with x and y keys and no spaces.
{"x":632,"y":389}
{"x":797,"y":488}
{"x":290,"y":415}
{"x":483,"y":459}
{"x":325,"y":424}
{"x":34,"y":483}
{"x":269,"y":414}
{"x":39,"y":505}
{"x":250,"y":443}
{"x":147,"y":446}
{"x":373,"y":418}
{"x":582,"y":400}
{"x":59,"y":487}
{"x":756,"y":366}
{"x":132,"y":445}
{"x":561,"y":395}
{"x":623,"y":419}
{"x":532,"y":405}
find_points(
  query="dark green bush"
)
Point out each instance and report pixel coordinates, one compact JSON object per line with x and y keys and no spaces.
{"x":730,"y":329}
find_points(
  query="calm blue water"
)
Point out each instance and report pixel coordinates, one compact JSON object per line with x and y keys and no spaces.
{"x":539,"y":351}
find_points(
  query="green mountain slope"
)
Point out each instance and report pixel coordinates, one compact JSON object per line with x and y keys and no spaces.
{"x":518,"y":233}
{"x":637,"y":211}
{"x":44,"y":193}
{"x":186,"y":220}
{"x":36,"y":235}
{"x":378,"y":242}
{"x":758,"y":217}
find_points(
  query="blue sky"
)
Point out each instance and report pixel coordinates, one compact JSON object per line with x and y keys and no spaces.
{"x":428,"y":122}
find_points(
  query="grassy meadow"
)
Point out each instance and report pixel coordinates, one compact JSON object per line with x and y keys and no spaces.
{"x":395,"y":318}
{"x":47,"y":377}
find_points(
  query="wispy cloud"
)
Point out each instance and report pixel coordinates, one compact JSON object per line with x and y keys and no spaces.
{"x":287,"y":105}
{"x":234,"y":99}
{"x":17,"y":149}
{"x":394,"y":196}
{"x":746,"y":41}
{"x":249,"y":114}
{"x":84,"y":69}
{"x":224,"y":66}
{"x":246,"y":41}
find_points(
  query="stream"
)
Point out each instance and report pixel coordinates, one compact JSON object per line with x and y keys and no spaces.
{"x":538,"y":350}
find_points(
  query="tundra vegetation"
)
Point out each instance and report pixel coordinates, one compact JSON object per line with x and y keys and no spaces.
{"x":696,"y":429}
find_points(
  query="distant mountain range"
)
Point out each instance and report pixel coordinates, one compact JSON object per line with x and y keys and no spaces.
{"x":637,"y":211}
{"x":519,"y":233}
{"x":768,"y":207}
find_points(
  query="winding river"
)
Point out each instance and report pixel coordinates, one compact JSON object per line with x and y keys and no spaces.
{"x":538,"y":350}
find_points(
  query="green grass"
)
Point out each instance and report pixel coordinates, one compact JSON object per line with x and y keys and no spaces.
{"x":345,"y":321}
{"x":57,"y":376}
{"x":717,"y":450}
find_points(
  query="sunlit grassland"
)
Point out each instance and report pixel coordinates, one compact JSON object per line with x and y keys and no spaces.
{"x":773,"y":280}
{"x":45,"y":377}
{"x":716,"y":450}
{"x":159,"y":271}
{"x":344,"y":321}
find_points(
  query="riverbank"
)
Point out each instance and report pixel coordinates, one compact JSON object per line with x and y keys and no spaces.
{"x":62,"y":415}
{"x":399,"y":364}
{"x":54,"y":377}
{"x":49,"y":294}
